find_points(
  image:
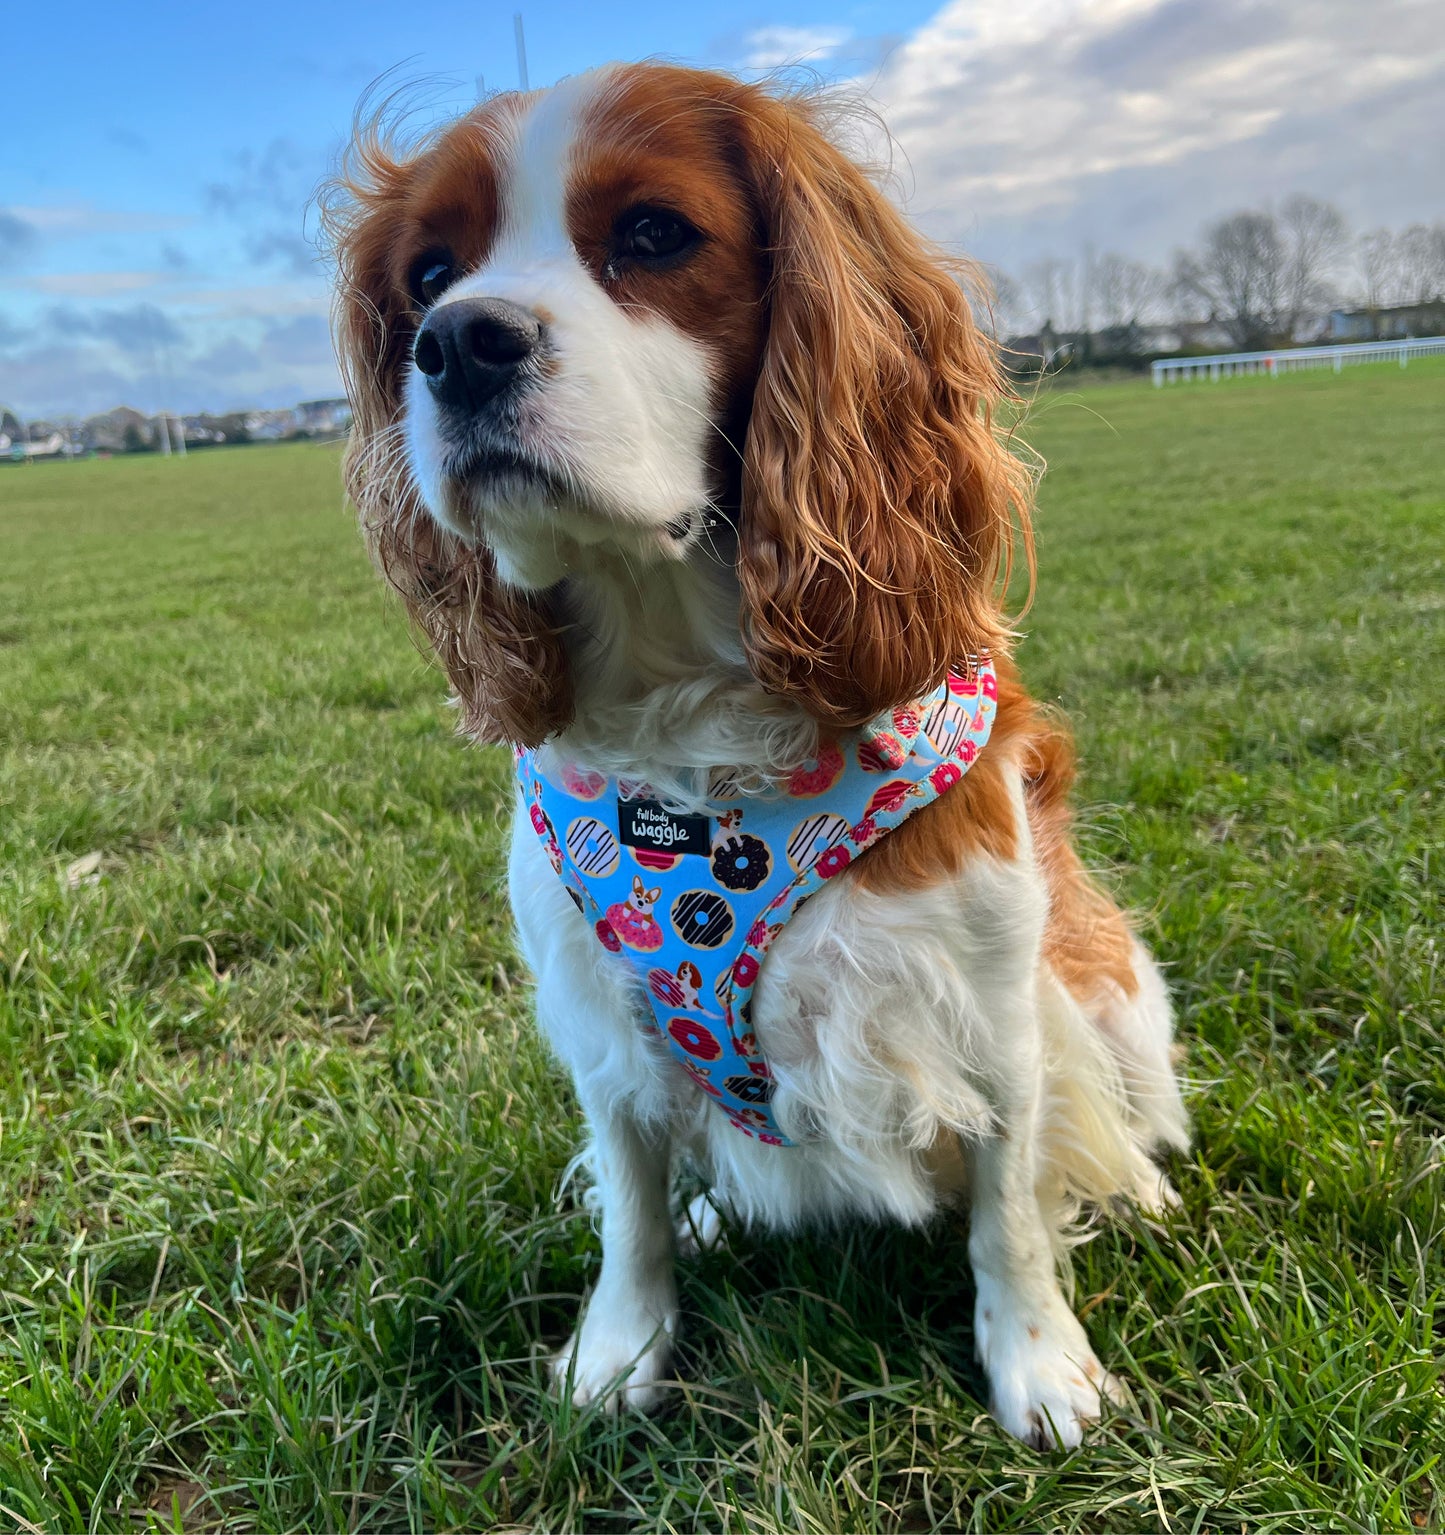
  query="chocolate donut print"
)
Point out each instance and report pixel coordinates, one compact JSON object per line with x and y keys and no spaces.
{"x":750,"y":1089}
{"x":701,"y":918}
{"x":741,"y":862}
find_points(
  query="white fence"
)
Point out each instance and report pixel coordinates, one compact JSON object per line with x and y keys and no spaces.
{"x":1290,"y":359}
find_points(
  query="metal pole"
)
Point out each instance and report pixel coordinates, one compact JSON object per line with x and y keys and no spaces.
{"x":521,"y":51}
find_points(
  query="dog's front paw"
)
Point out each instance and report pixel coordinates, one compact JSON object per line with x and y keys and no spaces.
{"x":619,"y":1356}
{"x":1047,"y":1386}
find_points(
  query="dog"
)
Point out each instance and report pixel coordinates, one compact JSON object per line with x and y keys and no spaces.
{"x":683,"y":450}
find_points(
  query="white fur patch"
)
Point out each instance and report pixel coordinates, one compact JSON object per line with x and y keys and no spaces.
{"x":891,"y":1023}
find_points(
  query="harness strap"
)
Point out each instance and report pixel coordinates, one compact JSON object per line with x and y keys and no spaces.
{"x":693,"y":901}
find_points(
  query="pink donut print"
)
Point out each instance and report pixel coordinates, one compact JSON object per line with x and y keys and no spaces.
{"x":818,"y":775}
{"x":699,"y":1075}
{"x":865,"y":833}
{"x":944,"y":776}
{"x":695,"y":1039}
{"x":907,"y":721}
{"x":889,"y":797}
{"x":962,"y":687}
{"x":634,"y":928}
{"x":663,"y":985}
{"x":607,"y":938}
{"x":659,"y":863}
{"x":762,"y":933}
{"x":835,"y":860}
{"x":882,"y":753}
{"x":582,"y":783}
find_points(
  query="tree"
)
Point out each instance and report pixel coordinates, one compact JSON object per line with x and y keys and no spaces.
{"x":1008,"y":307}
{"x":1054,"y":290}
{"x":1241,"y":274}
{"x":1419,"y":253}
{"x":1125,"y":291}
{"x":1318,"y":237}
{"x":1261,"y":275}
{"x":1376,"y":256}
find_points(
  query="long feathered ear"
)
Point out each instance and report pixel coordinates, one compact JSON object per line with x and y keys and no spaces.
{"x":879,"y":505}
{"x":501,"y":649}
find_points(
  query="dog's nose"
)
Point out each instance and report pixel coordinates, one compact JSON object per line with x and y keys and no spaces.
{"x":470,"y":350}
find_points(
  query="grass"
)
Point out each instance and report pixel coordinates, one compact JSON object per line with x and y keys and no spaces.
{"x":282,"y":1237}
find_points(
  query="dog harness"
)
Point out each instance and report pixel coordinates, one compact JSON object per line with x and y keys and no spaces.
{"x":693,"y":901}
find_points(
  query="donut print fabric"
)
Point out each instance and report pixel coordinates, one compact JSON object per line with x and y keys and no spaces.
{"x":742,"y":862}
{"x":694,"y":914}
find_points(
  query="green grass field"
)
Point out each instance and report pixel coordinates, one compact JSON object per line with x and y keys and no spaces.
{"x":283,"y":1244}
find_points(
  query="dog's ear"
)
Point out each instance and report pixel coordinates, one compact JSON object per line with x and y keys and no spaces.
{"x":879,"y":505}
{"x":502,"y":649}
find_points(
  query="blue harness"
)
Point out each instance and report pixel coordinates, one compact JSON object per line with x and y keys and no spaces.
{"x":693,"y":901}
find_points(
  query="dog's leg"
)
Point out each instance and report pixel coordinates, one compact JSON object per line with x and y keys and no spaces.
{"x":630,"y":1321}
{"x":1046,"y":1384}
{"x":589,"y":1009}
{"x":1140,"y":1031}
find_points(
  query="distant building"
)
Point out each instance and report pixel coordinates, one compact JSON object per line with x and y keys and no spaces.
{"x":46,"y":440}
{"x":270,"y":425}
{"x":12,"y":435}
{"x":201,"y":431}
{"x":21,"y":444}
{"x":1185,"y":336}
{"x":324,"y":416}
{"x":1114,"y":344}
{"x":121,"y":430}
{"x":1397,"y":322}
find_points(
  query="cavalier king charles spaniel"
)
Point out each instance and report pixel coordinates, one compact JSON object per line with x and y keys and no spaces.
{"x":680,"y":446}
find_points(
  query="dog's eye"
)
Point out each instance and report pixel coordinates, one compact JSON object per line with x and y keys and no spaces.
{"x":654,"y":235}
{"x":431,"y":275}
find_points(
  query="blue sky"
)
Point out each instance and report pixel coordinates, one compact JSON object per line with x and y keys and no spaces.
{"x":153,"y":235}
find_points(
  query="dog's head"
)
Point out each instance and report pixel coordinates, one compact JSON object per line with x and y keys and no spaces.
{"x":589,"y":319}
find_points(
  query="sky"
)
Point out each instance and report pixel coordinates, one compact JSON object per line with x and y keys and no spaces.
{"x":156,"y":246}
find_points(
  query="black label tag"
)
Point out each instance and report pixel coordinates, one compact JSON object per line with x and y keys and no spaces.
{"x":645,"y":823}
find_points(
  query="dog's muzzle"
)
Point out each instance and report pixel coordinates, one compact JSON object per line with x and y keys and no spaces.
{"x":471,"y":350}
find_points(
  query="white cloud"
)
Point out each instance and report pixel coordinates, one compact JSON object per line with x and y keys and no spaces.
{"x":1027,"y":125}
{"x":771,"y":47}
{"x":86,"y":284}
{"x":77,"y":220}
